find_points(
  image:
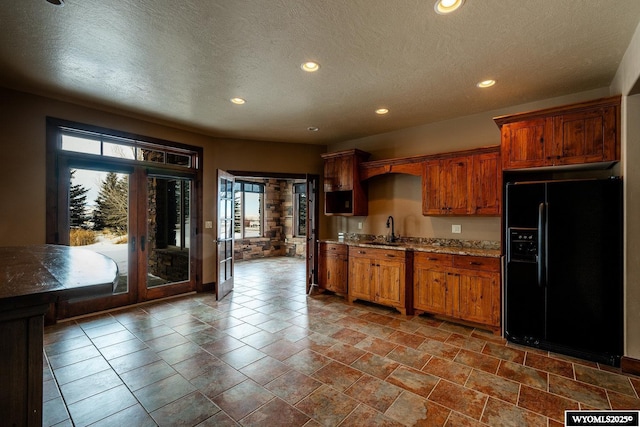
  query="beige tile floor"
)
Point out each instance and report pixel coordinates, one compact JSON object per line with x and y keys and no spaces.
{"x":269,"y":355}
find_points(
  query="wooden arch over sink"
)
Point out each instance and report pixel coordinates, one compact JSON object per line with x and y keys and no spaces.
{"x":413,"y":165}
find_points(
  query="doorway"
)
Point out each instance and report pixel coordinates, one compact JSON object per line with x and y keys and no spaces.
{"x":265,"y":215}
{"x":131,"y":200}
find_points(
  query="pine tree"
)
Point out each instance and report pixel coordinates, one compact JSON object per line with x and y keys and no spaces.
{"x":78,"y":217}
{"x":112,"y":204}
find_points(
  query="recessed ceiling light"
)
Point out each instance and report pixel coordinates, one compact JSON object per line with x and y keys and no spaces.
{"x":313,"y":129}
{"x":486,"y":83}
{"x":382,"y":111}
{"x":56,"y":2}
{"x":238,"y":101}
{"x":443,"y":7}
{"x":310,"y":66}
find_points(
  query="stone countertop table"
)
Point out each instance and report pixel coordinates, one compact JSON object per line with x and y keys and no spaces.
{"x":31,"y":278}
{"x":53,"y":270}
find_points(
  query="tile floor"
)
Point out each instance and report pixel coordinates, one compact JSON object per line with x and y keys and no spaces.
{"x":268,"y":355}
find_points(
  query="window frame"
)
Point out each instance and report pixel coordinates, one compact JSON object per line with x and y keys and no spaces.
{"x":239,"y":187}
{"x":296,"y":208}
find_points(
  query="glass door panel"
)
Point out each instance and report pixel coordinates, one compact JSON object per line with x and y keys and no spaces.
{"x":225,"y":234}
{"x":168,"y":235}
{"x":98,"y":207}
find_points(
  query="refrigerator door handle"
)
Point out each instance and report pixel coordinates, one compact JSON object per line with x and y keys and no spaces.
{"x":541,"y":256}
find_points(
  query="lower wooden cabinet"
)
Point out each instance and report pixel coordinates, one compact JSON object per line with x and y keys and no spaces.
{"x":333,"y":267}
{"x":458,"y":286}
{"x":382,"y":276}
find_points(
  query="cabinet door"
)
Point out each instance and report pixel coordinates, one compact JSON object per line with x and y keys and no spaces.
{"x":345,"y":167}
{"x":476,"y":297}
{"x":446,"y":187}
{"x":323,"y":267}
{"x":584,"y":137}
{"x":390,"y":284}
{"x":338,"y":272}
{"x":333,"y":272}
{"x":360,"y":278}
{"x":523,"y":143}
{"x":456,"y":184}
{"x":487,"y":184}
{"x":430,"y":282}
{"x":431,"y":189}
{"x":430,"y":289}
{"x":330,"y":175}
{"x":338,"y":173}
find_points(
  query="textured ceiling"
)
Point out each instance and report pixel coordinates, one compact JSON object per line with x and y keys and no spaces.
{"x":181,"y":61}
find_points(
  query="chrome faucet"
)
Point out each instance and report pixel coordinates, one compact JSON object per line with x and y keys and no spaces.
{"x":390,"y":223}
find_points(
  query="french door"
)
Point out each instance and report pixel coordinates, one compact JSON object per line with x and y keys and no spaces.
{"x":225,"y":233}
{"x":312,"y":231}
{"x":141,"y":218}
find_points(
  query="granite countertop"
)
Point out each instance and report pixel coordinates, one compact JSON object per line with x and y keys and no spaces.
{"x":442,"y":246}
{"x":54,"y":271}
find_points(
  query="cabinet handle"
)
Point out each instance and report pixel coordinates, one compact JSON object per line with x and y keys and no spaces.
{"x":361,"y":252}
{"x":389,"y":256}
{"x":432,"y":259}
{"x":475,"y":263}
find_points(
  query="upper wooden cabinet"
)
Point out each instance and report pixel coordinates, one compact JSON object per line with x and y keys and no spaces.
{"x":446,"y":186}
{"x":486,"y":194}
{"x":465,"y":185}
{"x":569,"y":135}
{"x":459,"y":183}
{"x":343,"y":190}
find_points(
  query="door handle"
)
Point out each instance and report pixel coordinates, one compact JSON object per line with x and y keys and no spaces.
{"x":541,"y":255}
{"x":142,"y":243}
{"x":133,"y":244}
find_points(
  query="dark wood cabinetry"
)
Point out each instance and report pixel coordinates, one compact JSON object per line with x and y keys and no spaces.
{"x":381,"y":276}
{"x":459,"y":183}
{"x":343,"y":190}
{"x":486,"y":194}
{"x":447,"y":185}
{"x":459,"y":286}
{"x":333,"y":267}
{"x":469,"y":184}
{"x":569,"y":135}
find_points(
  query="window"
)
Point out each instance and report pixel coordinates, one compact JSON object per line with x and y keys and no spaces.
{"x":300,"y":209}
{"x":248,"y":211}
{"x":99,"y":144}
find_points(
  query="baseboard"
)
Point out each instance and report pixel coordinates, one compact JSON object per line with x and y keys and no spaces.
{"x":207,"y":287}
{"x":630,"y":365}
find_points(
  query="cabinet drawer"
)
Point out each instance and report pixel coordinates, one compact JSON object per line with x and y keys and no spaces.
{"x":476,"y":263}
{"x":378,"y":254}
{"x":433,"y":260}
{"x":333,"y":248}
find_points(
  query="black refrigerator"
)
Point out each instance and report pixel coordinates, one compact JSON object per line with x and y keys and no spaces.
{"x":563,"y":270}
